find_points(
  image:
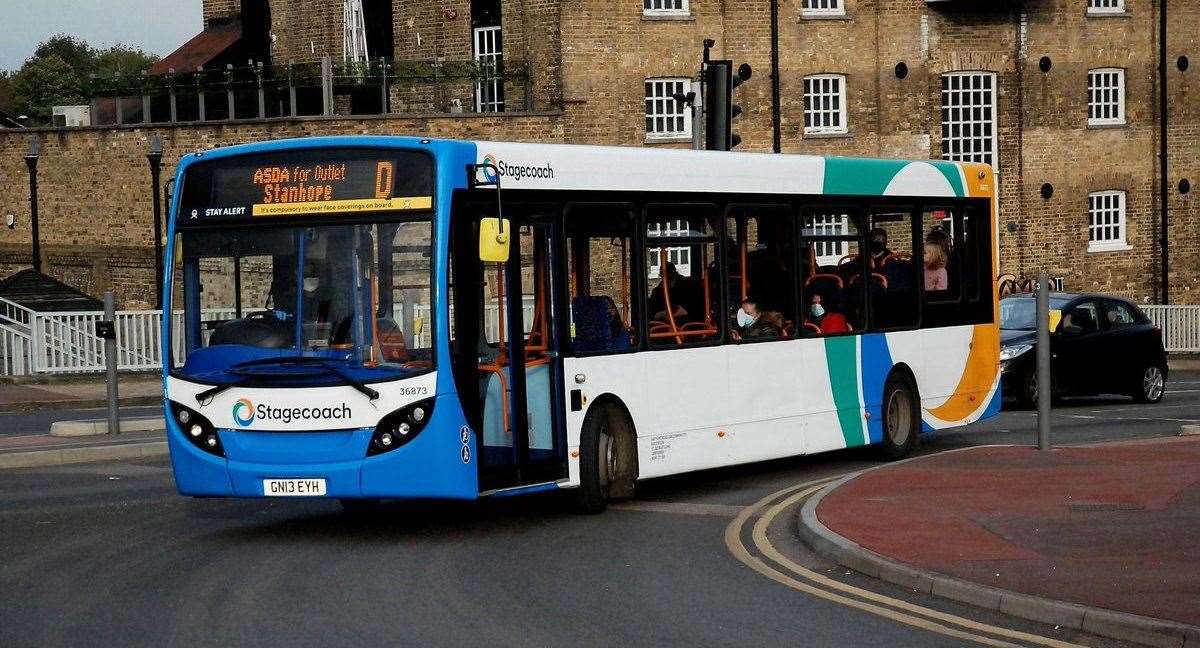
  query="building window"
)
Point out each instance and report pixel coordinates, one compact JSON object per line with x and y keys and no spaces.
{"x":828,"y":253}
{"x":969,"y":117}
{"x":824,"y":104}
{"x":1106,"y":221}
{"x":665,"y":7}
{"x":1106,"y":6}
{"x":810,"y":8}
{"x":665,"y":117}
{"x":489,"y":59}
{"x":1106,"y":97}
{"x":680,"y":257}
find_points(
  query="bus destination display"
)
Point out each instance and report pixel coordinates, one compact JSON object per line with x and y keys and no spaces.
{"x":297,"y":184}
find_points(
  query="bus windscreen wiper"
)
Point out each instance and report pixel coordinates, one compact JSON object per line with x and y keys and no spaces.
{"x":346,"y":378}
{"x":282,"y":360}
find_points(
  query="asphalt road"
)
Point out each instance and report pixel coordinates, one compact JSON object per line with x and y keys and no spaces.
{"x":108,"y":554}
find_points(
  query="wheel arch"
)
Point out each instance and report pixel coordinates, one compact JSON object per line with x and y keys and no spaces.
{"x":609,"y":398}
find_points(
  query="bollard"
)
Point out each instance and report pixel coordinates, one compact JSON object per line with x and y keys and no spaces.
{"x":1043,"y":360}
{"x":110,"y":363}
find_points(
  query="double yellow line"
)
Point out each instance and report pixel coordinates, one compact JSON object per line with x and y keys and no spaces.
{"x":785,"y":571}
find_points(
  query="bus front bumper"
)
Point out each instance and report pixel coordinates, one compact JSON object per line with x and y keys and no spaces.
{"x":432,"y":465}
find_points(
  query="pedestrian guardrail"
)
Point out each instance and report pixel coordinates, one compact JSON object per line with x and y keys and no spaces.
{"x":1180,"y":326}
{"x":66,"y":342}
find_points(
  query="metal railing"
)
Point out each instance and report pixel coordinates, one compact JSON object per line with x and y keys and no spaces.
{"x":66,"y":342}
{"x":1180,"y":326}
{"x":298,"y":89}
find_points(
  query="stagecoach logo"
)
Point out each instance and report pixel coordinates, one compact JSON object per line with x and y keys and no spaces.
{"x":243,"y":412}
{"x":516,"y":172}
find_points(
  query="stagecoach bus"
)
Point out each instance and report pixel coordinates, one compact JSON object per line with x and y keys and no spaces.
{"x":368,"y":318}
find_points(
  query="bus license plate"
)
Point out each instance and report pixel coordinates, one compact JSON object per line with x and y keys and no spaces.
{"x":294,"y":487}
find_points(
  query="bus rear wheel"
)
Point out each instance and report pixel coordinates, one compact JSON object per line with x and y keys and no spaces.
{"x":901,"y":417}
{"x":607,"y":458}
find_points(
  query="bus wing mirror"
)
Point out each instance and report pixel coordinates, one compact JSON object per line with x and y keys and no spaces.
{"x":493,"y":239}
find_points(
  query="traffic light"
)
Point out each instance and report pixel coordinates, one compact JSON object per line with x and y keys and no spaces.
{"x":719,"y":109}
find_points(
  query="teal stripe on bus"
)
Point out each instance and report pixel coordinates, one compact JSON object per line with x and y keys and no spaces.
{"x":953,"y":174}
{"x":841,"y":357}
{"x":860,"y":177}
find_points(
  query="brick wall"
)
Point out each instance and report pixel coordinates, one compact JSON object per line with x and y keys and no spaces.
{"x":95,"y":212}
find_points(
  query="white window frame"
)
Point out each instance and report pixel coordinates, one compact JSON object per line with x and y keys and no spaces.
{"x":822,"y":8}
{"x":1092,"y":90}
{"x":976,"y":147}
{"x":665,"y":101}
{"x":1107,"y":231}
{"x":680,"y":257}
{"x":839,"y":112}
{"x":1105,"y":7}
{"x":829,"y":252}
{"x":489,"y":55}
{"x":665,"y":8}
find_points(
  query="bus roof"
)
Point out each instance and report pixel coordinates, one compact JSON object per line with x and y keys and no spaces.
{"x":580,"y":167}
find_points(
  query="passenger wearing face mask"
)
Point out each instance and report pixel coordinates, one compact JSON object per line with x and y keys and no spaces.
{"x":752,"y":323}
{"x":317,"y":296}
{"x":829,"y":321}
{"x":879,"y":245}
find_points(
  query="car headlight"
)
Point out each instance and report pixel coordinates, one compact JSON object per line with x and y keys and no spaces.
{"x":1009,"y":352}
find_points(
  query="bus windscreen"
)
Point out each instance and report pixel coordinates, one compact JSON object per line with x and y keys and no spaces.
{"x":306,"y":183}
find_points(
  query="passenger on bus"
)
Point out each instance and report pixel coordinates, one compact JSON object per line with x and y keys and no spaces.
{"x":753,"y":323}
{"x":619,"y":339}
{"x":936,"y":277}
{"x":879,"y":245}
{"x":317,"y":296}
{"x":938,"y":236}
{"x":686,"y":294}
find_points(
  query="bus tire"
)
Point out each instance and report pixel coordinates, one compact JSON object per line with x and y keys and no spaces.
{"x":901,"y":417}
{"x":607,"y":452}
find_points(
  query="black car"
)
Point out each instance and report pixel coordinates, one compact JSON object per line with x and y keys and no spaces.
{"x":1100,"y":345}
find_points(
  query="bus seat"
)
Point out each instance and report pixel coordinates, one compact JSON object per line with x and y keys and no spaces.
{"x":812,"y":328}
{"x":592,"y":324}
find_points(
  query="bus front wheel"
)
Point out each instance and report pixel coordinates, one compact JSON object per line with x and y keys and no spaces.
{"x":901,"y":417}
{"x":607,"y":458}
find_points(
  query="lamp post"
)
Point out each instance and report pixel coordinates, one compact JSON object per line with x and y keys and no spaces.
{"x":31,"y":160}
{"x":154,"y":156}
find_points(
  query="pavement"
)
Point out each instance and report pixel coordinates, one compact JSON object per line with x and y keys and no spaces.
{"x":77,"y":392}
{"x":1096,"y":537}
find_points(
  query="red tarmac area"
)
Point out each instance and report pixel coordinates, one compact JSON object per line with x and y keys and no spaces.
{"x":1115,"y":526}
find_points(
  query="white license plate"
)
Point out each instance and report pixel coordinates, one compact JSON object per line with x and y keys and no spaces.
{"x":294,"y":487}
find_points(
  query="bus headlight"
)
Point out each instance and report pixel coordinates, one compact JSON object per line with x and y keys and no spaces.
{"x":198,"y":430}
{"x":400,"y":427}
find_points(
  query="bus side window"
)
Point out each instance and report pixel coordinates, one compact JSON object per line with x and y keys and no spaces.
{"x":600,"y":247}
{"x":832,"y":271}
{"x":682,"y":274}
{"x":760,"y":277}
{"x":893,"y":272}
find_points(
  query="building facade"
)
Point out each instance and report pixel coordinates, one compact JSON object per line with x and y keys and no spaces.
{"x":1061,"y":96}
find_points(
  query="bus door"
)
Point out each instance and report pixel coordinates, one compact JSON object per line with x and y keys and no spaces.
{"x":518,"y":415}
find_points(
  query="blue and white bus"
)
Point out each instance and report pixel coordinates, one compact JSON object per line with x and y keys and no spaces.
{"x":369,"y":318}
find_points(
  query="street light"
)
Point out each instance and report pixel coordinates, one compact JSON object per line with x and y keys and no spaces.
{"x":31,"y":160}
{"x":154,"y":156}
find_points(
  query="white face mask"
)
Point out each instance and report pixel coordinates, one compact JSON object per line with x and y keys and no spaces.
{"x":745,"y":319}
{"x":310,"y":284}
{"x":818,"y":310}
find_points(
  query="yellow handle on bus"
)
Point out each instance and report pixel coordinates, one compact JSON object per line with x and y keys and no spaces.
{"x":493,"y":240}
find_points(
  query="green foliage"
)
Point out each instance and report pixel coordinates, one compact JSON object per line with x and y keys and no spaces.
{"x":6,"y":91}
{"x":43,"y":83}
{"x":60,"y":73}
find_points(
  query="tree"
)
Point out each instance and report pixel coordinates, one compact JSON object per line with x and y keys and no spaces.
{"x":6,"y":98}
{"x":44,"y":83}
{"x":60,"y":72}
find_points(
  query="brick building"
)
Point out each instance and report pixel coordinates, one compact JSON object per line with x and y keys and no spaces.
{"x":1060,"y":95}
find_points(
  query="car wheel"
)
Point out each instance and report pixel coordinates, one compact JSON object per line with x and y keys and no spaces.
{"x":901,"y":417}
{"x":1150,"y":385}
{"x":607,"y":458}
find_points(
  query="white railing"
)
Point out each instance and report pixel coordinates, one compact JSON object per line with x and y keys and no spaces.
{"x":66,"y":342}
{"x":1180,"y":326}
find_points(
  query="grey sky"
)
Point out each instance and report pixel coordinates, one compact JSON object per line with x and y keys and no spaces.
{"x":157,"y":26}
